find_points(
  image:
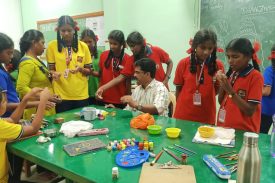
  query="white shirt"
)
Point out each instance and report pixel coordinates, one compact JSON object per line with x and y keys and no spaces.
{"x":154,"y":94}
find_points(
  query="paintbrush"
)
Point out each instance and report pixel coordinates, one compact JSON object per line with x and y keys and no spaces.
{"x":179,"y":150}
{"x":185,"y":148}
{"x":156,"y":158}
{"x":172,"y":154}
{"x":221,"y":155}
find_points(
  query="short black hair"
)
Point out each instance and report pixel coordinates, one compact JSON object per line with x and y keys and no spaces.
{"x":147,"y":65}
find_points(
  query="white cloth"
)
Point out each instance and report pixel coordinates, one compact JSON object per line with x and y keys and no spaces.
{"x":155,"y":93}
{"x":71,"y":128}
{"x":223,"y":137}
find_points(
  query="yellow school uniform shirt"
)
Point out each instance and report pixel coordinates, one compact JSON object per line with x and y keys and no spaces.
{"x":75,"y":86}
{"x":32,"y":74}
{"x":8,"y":131}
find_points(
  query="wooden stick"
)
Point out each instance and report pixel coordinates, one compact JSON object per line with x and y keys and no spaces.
{"x":172,"y":154}
{"x":156,"y":158}
{"x":220,"y":155}
{"x":185,"y":148}
{"x":229,"y":164}
{"x":180,"y":151}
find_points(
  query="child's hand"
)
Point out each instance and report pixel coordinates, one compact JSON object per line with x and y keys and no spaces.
{"x":109,"y":106}
{"x":55,"y":75}
{"x":50,"y":105}
{"x":34,"y":93}
{"x":128,"y":99}
{"x":99,"y":93}
{"x":77,"y":69}
{"x":221,"y":76}
{"x":56,"y":99}
{"x":45,"y":94}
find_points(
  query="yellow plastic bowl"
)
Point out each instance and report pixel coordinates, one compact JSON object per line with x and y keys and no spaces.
{"x":173,"y":132}
{"x":206,"y":131}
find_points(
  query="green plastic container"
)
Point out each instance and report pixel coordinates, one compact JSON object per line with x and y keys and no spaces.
{"x":154,"y":129}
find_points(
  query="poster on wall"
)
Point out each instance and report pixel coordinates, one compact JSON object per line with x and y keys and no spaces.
{"x":97,"y":25}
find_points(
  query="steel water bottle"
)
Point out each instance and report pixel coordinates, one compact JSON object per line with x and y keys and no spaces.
{"x":249,"y":161}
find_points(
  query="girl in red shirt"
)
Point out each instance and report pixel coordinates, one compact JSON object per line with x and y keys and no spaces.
{"x":241,"y":88}
{"x":112,"y":63}
{"x":196,"y":85}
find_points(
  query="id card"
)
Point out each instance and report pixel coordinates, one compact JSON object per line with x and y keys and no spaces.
{"x":197,"y":98}
{"x":66,"y":73}
{"x":221,"y":116}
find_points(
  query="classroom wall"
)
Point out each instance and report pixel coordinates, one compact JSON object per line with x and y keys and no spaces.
{"x":11,"y":20}
{"x":167,"y":24}
{"x":35,"y":10}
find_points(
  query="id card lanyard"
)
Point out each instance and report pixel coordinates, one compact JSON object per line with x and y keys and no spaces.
{"x":222,"y":111}
{"x":116,"y":67}
{"x":68,"y":55}
{"x":197,"y":95}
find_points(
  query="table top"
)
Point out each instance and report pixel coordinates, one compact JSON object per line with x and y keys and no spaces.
{"x":97,"y":166}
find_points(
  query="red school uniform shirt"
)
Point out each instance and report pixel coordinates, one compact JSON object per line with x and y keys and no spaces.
{"x":113,"y":95}
{"x":185,"y":109}
{"x":159,"y":56}
{"x":248,"y":86}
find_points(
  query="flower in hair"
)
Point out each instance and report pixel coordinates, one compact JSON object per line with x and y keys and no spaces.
{"x":76,"y":28}
{"x":144,"y":42}
{"x":220,"y":50}
{"x":257,"y":47}
{"x":189,"y":51}
{"x":96,"y":38}
{"x":9,"y":67}
{"x":272,"y":56}
{"x":190,"y":41}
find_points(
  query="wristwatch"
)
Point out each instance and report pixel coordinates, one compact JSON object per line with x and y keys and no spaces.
{"x":139,"y":107}
{"x":231,"y":94}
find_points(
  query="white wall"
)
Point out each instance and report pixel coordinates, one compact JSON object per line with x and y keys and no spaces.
{"x":11,"y":20}
{"x":167,"y":24}
{"x":35,"y":10}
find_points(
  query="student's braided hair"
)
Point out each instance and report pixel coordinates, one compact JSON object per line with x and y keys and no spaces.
{"x":118,"y":36}
{"x":5,"y":43}
{"x":28,"y":38}
{"x":243,"y":46}
{"x":201,"y":37}
{"x":135,"y":38}
{"x":91,"y":34}
{"x":67,"y":20}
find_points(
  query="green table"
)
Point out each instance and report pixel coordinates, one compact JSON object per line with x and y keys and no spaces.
{"x":97,"y":166}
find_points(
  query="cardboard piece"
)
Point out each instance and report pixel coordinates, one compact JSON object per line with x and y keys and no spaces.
{"x":151,"y":174}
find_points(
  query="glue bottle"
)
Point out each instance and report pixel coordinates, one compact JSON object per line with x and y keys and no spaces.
{"x":115,"y":172}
